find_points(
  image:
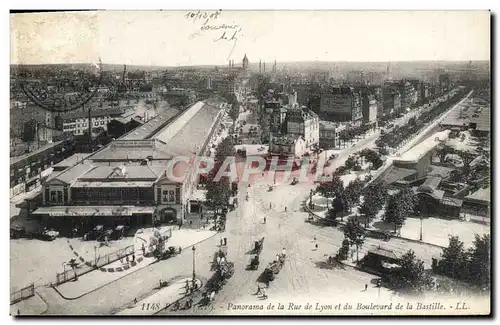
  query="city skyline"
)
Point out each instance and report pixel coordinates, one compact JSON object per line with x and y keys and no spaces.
{"x":183,"y":38}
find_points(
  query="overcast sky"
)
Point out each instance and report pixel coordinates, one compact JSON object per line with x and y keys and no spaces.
{"x":169,"y":38}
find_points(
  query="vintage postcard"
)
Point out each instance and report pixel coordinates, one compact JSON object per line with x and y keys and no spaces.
{"x":217,"y":162}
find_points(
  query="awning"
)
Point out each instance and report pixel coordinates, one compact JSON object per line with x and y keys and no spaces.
{"x":89,"y":211}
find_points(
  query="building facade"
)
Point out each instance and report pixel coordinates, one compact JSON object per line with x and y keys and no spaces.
{"x":341,"y":104}
{"x":129,"y":181}
{"x":78,"y":123}
{"x":304,"y":123}
{"x":370,"y":107}
{"x":327,"y":135}
{"x":287,"y":145}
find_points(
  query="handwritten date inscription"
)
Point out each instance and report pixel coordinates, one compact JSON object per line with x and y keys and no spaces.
{"x":203,"y":16}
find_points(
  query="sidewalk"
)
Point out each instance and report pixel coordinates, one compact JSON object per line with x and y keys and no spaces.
{"x":159,"y":300}
{"x":31,"y":306}
{"x":94,"y":280}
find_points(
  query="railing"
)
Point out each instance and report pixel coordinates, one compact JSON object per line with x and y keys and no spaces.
{"x":87,"y":267}
{"x":22,"y":294}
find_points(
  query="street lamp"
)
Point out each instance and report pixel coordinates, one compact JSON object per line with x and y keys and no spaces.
{"x":194,"y":273}
{"x":95,"y":255}
{"x":421,"y":226}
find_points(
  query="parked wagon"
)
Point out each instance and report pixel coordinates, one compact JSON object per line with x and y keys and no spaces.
{"x":258,"y":245}
{"x":94,"y":233}
{"x":168,"y":253}
{"x":254,"y":263}
{"x":118,"y":233}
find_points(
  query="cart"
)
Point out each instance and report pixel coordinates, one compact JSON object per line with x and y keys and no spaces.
{"x":254,"y":263}
{"x":258,"y":245}
{"x":94,"y":233}
{"x":117,"y":233}
{"x":104,"y":235}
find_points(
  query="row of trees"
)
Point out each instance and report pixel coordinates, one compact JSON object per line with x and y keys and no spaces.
{"x":470,"y":265}
{"x":219,"y":191}
{"x":399,"y":207}
{"x":399,"y":135}
{"x":349,"y":134}
{"x":234,"y":111}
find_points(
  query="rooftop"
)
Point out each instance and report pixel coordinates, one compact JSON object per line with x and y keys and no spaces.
{"x":72,"y":160}
{"x":430,"y":185}
{"x":394,"y":174}
{"x":483,"y":194}
{"x":47,"y":146}
{"x":71,"y":174}
{"x":152,"y":126}
{"x":465,"y":115}
{"x":421,"y":149}
{"x":193,"y":133}
{"x":142,"y":172}
{"x":94,"y":113}
{"x":287,"y":139}
{"x":384,"y":252}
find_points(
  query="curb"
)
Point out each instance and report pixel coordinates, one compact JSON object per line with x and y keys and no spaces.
{"x":45,"y":302}
{"x":93,"y":290}
{"x":375,"y":231}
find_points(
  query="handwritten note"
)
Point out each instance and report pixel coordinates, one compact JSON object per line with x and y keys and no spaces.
{"x":211,"y":25}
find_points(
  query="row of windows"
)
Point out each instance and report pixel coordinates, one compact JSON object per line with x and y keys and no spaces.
{"x":132,"y":195}
{"x":112,"y":194}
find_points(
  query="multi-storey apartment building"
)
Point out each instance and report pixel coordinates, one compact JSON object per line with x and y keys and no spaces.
{"x":341,"y":104}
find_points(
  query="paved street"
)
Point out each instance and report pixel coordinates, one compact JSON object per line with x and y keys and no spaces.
{"x":305,"y":272}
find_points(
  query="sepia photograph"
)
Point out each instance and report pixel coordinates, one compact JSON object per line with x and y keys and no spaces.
{"x":250,"y":163}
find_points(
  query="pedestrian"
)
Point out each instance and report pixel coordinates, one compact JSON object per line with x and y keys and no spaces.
{"x":187,"y":285}
{"x":314,"y":238}
{"x":259,"y":290}
{"x":264,"y":219}
{"x":135,"y":301}
{"x":225,"y":241}
{"x":264,"y":295}
{"x":126,"y":258}
{"x":285,"y":208}
{"x":277,"y":257}
{"x":366,"y":287}
{"x":180,"y":249}
{"x":18,"y":312}
{"x":143,"y":249}
{"x":316,"y":246}
{"x":221,"y":242}
{"x":212,"y":296}
{"x":283,"y":252}
{"x":270,"y":205}
{"x":133,"y":258}
{"x":218,"y":260}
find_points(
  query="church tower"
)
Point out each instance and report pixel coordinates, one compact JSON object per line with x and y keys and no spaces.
{"x":245,"y":62}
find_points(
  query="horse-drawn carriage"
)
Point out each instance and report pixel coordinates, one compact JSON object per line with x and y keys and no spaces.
{"x":258,"y":245}
{"x":274,"y":268}
{"x":219,"y":257}
{"x":168,"y":253}
{"x":254,"y":263}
